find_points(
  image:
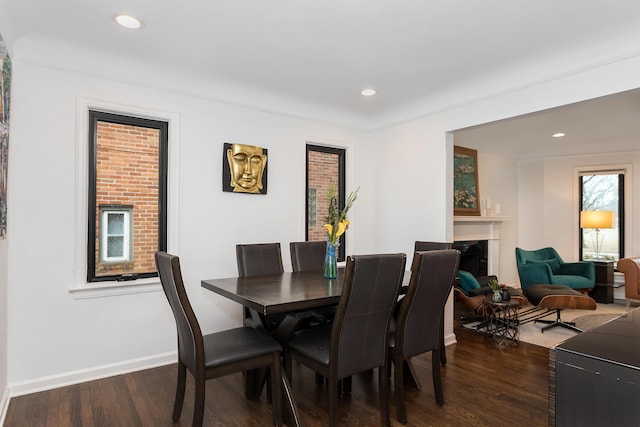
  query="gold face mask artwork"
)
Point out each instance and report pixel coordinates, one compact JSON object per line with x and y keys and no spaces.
{"x":246,"y":166}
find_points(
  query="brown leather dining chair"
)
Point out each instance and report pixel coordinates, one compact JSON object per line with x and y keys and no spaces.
{"x":416,"y":328}
{"x":259,"y":259}
{"x":356,"y":341}
{"x":308,"y":256}
{"x":420,"y":246}
{"x":214,"y":355}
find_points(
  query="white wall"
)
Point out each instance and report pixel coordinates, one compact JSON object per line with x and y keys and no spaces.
{"x":4,"y":390}
{"x":404,"y":173}
{"x":95,"y":335}
{"x":498,"y":179}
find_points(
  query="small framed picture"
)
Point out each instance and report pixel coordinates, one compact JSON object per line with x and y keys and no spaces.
{"x":466,"y":195}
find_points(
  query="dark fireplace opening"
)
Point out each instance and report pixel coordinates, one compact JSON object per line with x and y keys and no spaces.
{"x":474,"y":256}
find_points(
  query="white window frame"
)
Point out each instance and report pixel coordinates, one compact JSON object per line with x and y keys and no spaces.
{"x":105,"y":212}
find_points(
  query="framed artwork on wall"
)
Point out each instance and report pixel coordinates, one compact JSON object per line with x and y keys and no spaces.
{"x":244,"y":168}
{"x":466,"y":196}
{"x":5,"y":89}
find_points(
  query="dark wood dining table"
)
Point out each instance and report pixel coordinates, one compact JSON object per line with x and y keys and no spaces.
{"x":281,"y":293}
{"x":286,"y":293}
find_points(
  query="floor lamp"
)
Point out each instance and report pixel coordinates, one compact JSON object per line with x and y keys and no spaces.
{"x":597,"y":220}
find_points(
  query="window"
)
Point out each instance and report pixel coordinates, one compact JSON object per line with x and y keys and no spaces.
{"x":312,"y":207}
{"x":115,"y":234}
{"x":325,"y":165}
{"x":127,"y":200}
{"x":603,"y":191}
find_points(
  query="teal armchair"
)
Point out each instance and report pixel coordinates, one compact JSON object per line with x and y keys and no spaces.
{"x":545,"y":267}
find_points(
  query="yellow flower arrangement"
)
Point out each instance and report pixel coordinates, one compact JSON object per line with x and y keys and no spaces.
{"x":336,"y":222}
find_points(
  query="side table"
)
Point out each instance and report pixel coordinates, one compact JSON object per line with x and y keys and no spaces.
{"x":502,"y":321}
{"x":603,"y":290}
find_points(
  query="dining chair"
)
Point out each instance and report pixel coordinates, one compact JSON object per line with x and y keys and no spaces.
{"x":420,"y":246}
{"x":308,"y":256}
{"x":217,"y":354}
{"x":356,"y":341}
{"x":259,"y":259}
{"x":416,"y":329}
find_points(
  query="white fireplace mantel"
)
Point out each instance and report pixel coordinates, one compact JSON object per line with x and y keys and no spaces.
{"x":481,"y":228}
{"x":463,"y":219}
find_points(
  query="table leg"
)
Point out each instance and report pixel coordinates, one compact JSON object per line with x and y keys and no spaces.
{"x":291,"y":414}
{"x":410,"y":374}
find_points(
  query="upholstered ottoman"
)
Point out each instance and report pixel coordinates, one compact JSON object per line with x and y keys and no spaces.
{"x":556,"y":297}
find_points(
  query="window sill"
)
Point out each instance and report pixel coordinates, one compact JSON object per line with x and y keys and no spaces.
{"x":108,"y":289}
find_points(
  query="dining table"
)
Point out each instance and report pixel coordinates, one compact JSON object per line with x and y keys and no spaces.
{"x":289,"y":293}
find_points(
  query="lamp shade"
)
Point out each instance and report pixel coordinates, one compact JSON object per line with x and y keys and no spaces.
{"x":596,"y":219}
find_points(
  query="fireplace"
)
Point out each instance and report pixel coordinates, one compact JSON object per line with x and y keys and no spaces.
{"x":480,"y":236}
{"x":474,"y":256}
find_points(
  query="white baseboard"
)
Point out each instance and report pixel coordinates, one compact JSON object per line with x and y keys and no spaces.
{"x":90,"y":374}
{"x":450,"y":339}
{"x":4,"y":404}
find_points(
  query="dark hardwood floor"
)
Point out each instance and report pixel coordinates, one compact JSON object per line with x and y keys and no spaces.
{"x":484,"y":385}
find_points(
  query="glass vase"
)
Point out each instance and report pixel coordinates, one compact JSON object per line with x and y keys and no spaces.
{"x":497,"y":297}
{"x":330,"y":261}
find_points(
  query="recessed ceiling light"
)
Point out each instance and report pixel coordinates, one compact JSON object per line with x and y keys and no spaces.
{"x":368,"y":92}
{"x":558,"y":135}
{"x":128,"y":21}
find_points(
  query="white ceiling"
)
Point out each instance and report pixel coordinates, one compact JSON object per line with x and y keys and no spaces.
{"x":606,"y":124}
{"x":324,"y":52}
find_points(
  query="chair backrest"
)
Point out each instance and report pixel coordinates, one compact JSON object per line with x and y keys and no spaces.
{"x":308,"y":256}
{"x":359,"y":332}
{"x":259,"y":259}
{"x":537,"y":255}
{"x":190,"y":341}
{"x":422,"y":246}
{"x":418,"y":323}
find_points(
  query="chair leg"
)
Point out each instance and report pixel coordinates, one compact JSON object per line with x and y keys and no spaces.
{"x":333,"y":401}
{"x":198,"y":404}
{"x":383,"y":385}
{"x":268,"y":382}
{"x":437,"y":377}
{"x":443,"y":354}
{"x":276,"y":390}
{"x":398,"y":383}
{"x":409,"y":374}
{"x":180,"y":387}
{"x":346,"y":385}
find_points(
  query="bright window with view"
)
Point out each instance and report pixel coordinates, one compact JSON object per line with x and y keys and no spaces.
{"x":602,"y":191}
